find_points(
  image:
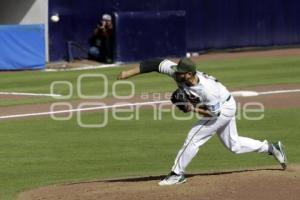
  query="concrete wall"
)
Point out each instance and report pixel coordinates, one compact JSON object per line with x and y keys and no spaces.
{"x":25,"y":12}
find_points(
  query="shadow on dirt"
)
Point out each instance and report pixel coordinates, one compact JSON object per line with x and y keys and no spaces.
{"x":160,"y":177}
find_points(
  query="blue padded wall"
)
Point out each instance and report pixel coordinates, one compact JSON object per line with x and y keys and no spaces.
{"x":210,"y":24}
{"x":145,"y":35}
{"x":22,"y":47}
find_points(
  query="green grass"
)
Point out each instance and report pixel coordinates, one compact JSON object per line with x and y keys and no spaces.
{"x":40,"y":152}
{"x":233,"y":73}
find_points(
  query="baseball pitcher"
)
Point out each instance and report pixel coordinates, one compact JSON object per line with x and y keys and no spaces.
{"x":203,"y":94}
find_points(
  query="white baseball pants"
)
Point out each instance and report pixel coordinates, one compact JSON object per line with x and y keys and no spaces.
{"x":225,"y":127}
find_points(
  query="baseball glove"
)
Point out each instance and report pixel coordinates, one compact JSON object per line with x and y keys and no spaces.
{"x":181,"y":100}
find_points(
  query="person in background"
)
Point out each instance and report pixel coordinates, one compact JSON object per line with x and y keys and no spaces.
{"x":101,"y":41}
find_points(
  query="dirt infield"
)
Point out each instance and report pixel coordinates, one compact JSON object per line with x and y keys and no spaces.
{"x":285,"y":100}
{"x":259,"y":184}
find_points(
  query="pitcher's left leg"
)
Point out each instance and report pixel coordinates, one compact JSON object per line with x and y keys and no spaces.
{"x":198,"y":135}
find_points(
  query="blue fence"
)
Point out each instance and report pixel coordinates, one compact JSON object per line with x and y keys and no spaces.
{"x":22,"y":47}
{"x":144,"y":35}
{"x":213,"y":24}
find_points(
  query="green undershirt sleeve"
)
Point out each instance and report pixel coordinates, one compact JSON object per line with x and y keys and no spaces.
{"x":150,"y":65}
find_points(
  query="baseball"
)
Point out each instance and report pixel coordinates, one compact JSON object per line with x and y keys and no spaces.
{"x":54,"y":18}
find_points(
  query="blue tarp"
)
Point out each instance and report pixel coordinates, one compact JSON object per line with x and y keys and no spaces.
{"x":22,"y":47}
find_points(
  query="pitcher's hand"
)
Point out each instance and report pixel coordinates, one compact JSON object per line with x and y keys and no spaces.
{"x":128,"y":73}
{"x":122,"y":75}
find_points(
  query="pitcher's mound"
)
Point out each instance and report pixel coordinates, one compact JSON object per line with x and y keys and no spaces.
{"x":259,"y":184}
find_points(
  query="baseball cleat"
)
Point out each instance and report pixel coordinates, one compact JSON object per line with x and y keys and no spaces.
{"x":173,"y":179}
{"x":277,"y":150}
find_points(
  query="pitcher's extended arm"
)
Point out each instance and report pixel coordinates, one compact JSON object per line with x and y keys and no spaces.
{"x":144,"y":67}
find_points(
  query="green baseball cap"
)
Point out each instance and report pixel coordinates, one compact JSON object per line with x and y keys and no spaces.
{"x":184,"y":65}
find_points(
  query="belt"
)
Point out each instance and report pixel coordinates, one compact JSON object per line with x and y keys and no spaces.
{"x":228,"y":98}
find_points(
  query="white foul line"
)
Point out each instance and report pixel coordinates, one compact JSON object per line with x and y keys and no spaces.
{"x":29,"y":94}
{"x":279,"y":92}
{"x":235,"y":93}
{"x":82,"y":109}
{"x":253,"y":93}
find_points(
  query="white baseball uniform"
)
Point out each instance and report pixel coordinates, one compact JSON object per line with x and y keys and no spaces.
{"x":220,"y":103}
